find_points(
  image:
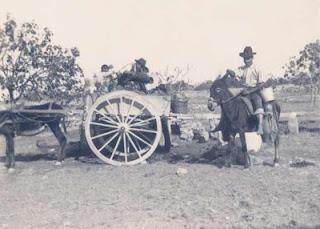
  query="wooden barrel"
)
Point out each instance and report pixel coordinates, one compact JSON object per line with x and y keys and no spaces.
{"x":179,"y":105}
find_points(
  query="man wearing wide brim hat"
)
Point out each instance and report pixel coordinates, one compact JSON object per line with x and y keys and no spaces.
{"x":140,"y":66}
{"x":247,"y":53}
{"x":250,"y":76}
{"x":137,"y":77}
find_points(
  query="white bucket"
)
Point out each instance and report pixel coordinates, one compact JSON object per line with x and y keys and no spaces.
{"x":253,"y":141}
{"x":267,"y":94}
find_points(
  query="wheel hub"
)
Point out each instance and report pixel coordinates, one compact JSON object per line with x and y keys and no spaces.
{"x":123,"y":128}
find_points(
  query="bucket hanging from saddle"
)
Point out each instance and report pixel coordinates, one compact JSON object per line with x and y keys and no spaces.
{"x":267,"y":94}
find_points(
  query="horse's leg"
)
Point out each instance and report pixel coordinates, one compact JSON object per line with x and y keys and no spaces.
{"x":276,"y":145}
{"x":247,"y":161}
{"x":9,"y":161}
{"x":8,"y":152}
{"x":232,"y":147}
{"x":10,"y":143}
{"x":56,"y":130}
{"x":276,"y":141}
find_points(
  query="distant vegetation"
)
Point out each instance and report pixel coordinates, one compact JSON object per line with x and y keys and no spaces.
{"x":33,"y":67}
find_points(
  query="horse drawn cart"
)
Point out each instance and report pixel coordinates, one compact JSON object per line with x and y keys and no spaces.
{"x":125,"y":127}
{"x":121,"y":127}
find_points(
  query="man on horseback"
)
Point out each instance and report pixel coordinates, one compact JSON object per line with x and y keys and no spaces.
{"x":251,"y":78}
{"x":236,"y":111}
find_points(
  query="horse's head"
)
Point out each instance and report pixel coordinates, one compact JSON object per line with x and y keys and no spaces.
{"x":218,"y":92}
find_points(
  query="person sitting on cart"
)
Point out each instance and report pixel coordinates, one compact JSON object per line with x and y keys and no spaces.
{"x":137,"y":77}
{"x":251,"y":78}
{"x":107,"y":78}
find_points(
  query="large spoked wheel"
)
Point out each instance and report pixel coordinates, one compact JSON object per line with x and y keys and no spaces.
{"x":122,"y":128}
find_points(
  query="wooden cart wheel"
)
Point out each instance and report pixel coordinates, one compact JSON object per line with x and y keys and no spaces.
{"x":3,"y":145}
{"x":122,"y":128}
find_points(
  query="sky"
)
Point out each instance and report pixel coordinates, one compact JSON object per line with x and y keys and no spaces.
{"x":207,"y":35}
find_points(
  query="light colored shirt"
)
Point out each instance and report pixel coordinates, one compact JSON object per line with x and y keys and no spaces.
{"x":250,"y":76}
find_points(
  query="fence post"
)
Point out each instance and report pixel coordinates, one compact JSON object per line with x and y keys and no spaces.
{"x":293,"y":125}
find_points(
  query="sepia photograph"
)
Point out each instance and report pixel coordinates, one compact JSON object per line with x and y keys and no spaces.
{"x":159,"y":114}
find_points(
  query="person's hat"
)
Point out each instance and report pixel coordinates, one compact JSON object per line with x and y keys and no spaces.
{"x":247,"y":53}
{"x":141,"y":61}
{"x":106,"y":67}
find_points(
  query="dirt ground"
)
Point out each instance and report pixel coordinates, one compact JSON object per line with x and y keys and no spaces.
{"x":85,"y":193}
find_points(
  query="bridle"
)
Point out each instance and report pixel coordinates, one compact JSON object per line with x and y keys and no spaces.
{"x":237,"y":95}
{"x":221,"y":102}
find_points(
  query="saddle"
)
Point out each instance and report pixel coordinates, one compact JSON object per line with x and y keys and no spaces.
{"x":248,"y":103}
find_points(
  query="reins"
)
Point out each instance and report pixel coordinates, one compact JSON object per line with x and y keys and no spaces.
{"x":235,"y":96}
{"x":231,"y":98}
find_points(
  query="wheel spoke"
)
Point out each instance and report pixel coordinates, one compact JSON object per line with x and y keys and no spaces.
{"x":109,"y":104}
{"x":144,"y":130}
{"x":115,"y":147}
{"x":142,"y":140}
{"x":104,"y":134}
{"x":105,"y":116}
{"x":134,"y":146}
{"x":103,"y":119}
{"x":119,"y":107}
{"x":113,"y":137}
{"x":143,"y":136}
{"x":143,"y":121}
{"x":103,"y":124}
{"x":125,"y":148}
{"x":136,"y":141}
{"x":131,"y":120}
{"x":131,"y":105}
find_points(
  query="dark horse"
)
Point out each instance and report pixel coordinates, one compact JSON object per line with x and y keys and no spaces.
{"x":237,"y":117}
{"x":31,"y":118}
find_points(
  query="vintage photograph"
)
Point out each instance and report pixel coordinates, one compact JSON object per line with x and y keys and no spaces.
{"x":159,"y":114}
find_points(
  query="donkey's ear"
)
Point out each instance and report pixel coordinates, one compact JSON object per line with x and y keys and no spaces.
{"x":225,"y":76}
{"x":230,"y":73}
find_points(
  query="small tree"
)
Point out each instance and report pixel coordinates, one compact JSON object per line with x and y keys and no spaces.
{"x":304,"y":70}
{"x":32,"y":67}
{"x":174,"y":79}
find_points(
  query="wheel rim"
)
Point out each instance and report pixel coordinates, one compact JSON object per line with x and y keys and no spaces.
{"x":122,"y":129}
{"x":3,"y":145}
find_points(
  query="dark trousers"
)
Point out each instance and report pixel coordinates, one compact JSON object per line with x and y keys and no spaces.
{"x":256,"y":101}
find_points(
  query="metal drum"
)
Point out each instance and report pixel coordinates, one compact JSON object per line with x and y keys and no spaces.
{"x":267,"y":94}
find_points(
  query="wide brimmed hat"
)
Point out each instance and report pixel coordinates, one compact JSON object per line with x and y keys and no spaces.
{"x":247,"y":53}
{"x":141,"y":61}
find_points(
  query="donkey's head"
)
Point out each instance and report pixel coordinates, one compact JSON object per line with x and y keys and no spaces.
{"x":218,"y":92}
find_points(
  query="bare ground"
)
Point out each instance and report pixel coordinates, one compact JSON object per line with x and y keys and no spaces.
{"x":88,"y":194}
{"x":85,"y":193}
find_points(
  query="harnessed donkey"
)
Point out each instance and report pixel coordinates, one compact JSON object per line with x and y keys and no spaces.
{"x":237,"y":116}
{"x":17,"y":123}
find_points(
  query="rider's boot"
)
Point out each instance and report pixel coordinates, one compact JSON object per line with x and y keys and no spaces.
{"x":260,"y":124}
